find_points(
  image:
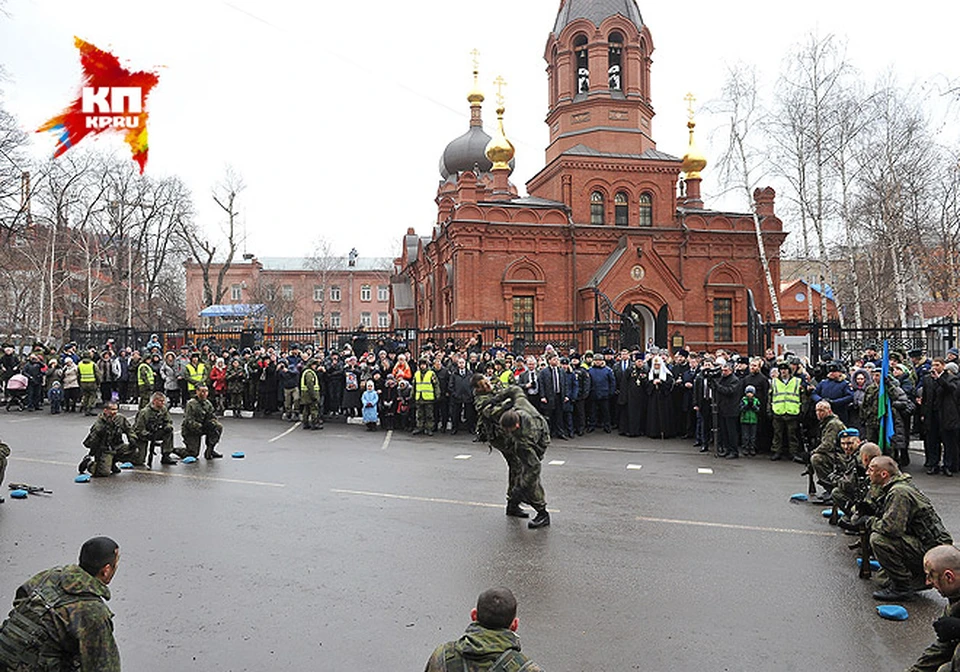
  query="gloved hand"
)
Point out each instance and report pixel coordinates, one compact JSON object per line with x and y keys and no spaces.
{"x":948,"y":628}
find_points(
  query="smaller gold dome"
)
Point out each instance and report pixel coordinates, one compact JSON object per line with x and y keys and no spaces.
{"x":693,"y":160}
{"x":475,"y":97}
{"x":500,"y":150}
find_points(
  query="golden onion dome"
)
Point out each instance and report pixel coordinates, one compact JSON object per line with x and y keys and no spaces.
{"x":500,"y":150}
{"x":693,"y":160}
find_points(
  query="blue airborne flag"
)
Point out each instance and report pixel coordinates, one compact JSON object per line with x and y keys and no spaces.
{"x":884,"y":411}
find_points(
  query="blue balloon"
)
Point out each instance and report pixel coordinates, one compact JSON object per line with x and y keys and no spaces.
{"x":827,"y":512}
{"x":799,"y":497}
{"x":189,"y":459}
{"x":892,"y":612}
{"x":126,"y":465}
{"x":18,"y":494}
{"x":238,"y":455}
{"x":874,"y":564}
{"x":82,"y":478}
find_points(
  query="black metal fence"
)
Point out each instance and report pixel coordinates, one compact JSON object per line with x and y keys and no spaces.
{"x":595,"y":336}
{"x":849,"y":343}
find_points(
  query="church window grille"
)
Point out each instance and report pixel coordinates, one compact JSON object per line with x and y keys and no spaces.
{"x":621,"y":209}
{"x":646,"y":209}
{"x":596,"y":208}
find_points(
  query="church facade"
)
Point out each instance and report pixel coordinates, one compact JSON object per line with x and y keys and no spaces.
{"x":610,"y":230}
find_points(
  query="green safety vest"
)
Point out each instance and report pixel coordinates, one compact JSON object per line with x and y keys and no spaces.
{"x":145,"y":375}
{"x":785,"y":397}
{"x":88,"y":372}
{"x":303,"y":380}
{"x":194,"y":374}
{"x":423,"y":385}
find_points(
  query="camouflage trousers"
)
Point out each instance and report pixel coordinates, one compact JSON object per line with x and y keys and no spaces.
{"x":514,"y":467}
{"x":528,"y":488}
{"x":846,"y":494}
{"x":425,"y":415}
{"x":310,"y":413}
{"x":4,"y":454}
{"x":823,"y":465}
{"x":105,"y":459}
{"x":236,"y":401}
{"x":89,"y":399}
{"x":211,"y":429}
{"x":164,"y":438}
{"x":900,"y":557}
{"x":145,"y":394}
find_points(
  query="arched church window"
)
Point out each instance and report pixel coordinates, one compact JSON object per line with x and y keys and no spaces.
{"x":620,"y":209}
{"x":646,"y":209}
{"x":614,"y":62}
{"x":596,"y":208}
{"x":583,"y":63}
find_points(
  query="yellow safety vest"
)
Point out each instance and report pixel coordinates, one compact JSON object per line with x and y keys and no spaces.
{"x":88,"y":373}
{"x":194,"y":374}
{"x":785,"y":398}
{"x":423,"y":386}
{"x":145,"y":376}
{"x":303,"y":380}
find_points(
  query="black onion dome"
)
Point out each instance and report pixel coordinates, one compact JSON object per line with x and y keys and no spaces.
{"x":468,"y":152}
{"x":596,"y":11}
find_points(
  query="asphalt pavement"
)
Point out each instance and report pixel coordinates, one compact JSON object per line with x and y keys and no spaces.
{"x":342,"y":549}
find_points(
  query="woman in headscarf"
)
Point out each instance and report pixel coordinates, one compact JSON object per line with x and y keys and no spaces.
{"x":659,"y":407}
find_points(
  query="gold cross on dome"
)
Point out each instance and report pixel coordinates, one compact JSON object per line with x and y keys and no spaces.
{"x":500,"y":82}
{"x":690,"y":101}
{"x":476,"y":59}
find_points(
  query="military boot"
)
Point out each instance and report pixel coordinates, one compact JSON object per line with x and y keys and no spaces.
{"x":85,"y":463}
{"x":211,"y":454}
{"x":542,"y":519}
{"x":167,"y":459}
{"x":514,"y":510}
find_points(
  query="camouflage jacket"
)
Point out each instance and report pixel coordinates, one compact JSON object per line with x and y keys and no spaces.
{"x":830,"y":428}
{"x":939,"y":653}
{"x":72,"y":627}
{"x":905,"y":511}
{"x":109,"y":433}
{"x":151,"y":422}
{"x":533,"y":433}
{"x":196,"y":415}
{"x":479,"y":650}
{"x":236,"y":379}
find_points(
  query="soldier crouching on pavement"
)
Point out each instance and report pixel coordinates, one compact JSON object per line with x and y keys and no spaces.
{"x":199,"y":420}
{"x":823,"y":458}
{"x":528,"y":435}
{"x":490,"y":642}
{"x":4,"y":454}
{"x":59,"y":620}
{"x":904,"y":528}
{"x":941,"y":568}
{"x":153,"y":424}
{"x":105,"y":443}
{"x":853,"y":487}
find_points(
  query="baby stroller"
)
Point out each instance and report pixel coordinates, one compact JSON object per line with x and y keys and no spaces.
{"x":17,"y":392}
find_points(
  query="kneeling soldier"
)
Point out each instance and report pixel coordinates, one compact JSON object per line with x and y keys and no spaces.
{"x":153,"y":424}
{"x":105,"y":443}
{"x":199,"y":420}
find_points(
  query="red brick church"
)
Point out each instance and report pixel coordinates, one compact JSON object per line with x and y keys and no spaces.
{"x":609,"y":231}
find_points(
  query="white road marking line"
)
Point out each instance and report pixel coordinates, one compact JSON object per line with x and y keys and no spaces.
{"x":704,"y":470}
{"x":557,"y":463}
{"x":729,"y":526}
{"x":24,"y":420}
{"x":430,"y":500}
{"x":462,"y":457}
{"x":277,"y":438}
{"x":163,"y":473}
{"x":386,"y":439}
{"x":634,"y":466}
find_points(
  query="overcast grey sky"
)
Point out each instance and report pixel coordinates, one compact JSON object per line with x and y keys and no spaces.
{"x":336,"y":114}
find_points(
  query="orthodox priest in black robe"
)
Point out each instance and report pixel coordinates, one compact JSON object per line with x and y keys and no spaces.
{"x":633,"y":398}
{"x":659,"y":386}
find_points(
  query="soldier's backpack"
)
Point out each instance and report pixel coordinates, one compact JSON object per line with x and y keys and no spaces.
{"x":510,"y":660}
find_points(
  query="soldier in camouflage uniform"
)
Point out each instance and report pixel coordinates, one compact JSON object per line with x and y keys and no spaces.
{"x":941,"y":566}
{"x":490,"y":643}
{"x":310,"y":396}
{"x":59,"y":620}
{"x":904,"y":528}
{"x":105,"y":443}
{"x":823,"y":459}
{"x":528,"y":434}
{"x":236,"y":381}
{"x":199,"y":420}
{"x":153,"y":423}
{"x":4,"y":454}
{"x":490,"y":407}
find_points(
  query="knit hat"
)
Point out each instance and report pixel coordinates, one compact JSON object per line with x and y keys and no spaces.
{"x":750,"y":389}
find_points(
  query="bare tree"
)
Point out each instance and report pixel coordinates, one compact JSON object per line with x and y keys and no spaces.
{"x":322,"y":262}
{"x":740,"y":162}
{"x":204,"y":251}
